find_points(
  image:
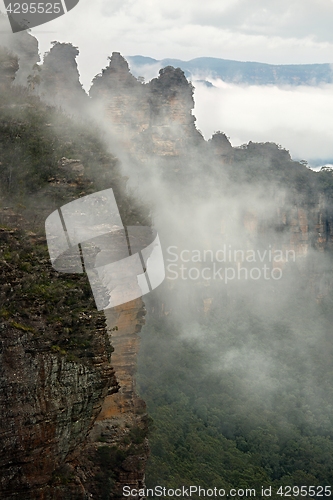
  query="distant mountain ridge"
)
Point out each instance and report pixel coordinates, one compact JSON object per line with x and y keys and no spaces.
{"x":251,"y":73}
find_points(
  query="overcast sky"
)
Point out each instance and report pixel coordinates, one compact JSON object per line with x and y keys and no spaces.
{"x":273,"y":31}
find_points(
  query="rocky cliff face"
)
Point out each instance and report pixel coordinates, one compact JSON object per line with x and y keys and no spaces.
{"x":53,"y":377}
{"x":125,"y":323}
{"x":72,"y":424}
{"x":59,"y":78}
{"x":151,"y":119}
{"x":71,"y":427}
{"x":56,"y":356}
{"x":24,"y":46}
{"x":8,"y":68}
{"x":123,"y":421}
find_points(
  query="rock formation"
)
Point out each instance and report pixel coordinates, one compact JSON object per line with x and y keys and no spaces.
{"x":150,"y":119}
{"x":124,"y":411}
{"x":56,"y":367}
{"x":50,"y":394}
{"x":221,"y":147}
{"x":72,"y":424}
{"x":24,"y":46}
{"x":8,"y":68}
{"x":60,"y":79}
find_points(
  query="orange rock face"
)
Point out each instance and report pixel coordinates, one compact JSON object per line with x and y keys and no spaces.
{"x":128,"y":318}
{"x":123,"y":410}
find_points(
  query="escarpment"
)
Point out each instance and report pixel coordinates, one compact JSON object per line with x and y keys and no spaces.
{"x":24,"y":46}
{"x":56,"y":351}
{"x":59,"y":79}
{"x":8,"y":68}
{"x":64,"y":425}
{"x":150,"y":119}
{"x":72,"y":424}
{"x":122,"y":423}
{"x":55,"y":365}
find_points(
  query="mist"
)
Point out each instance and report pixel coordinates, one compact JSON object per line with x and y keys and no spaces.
{"x":298,"y":118}
{"x":246,"y":305}
{"x":248,"y":356}
{"x":256,"y":315}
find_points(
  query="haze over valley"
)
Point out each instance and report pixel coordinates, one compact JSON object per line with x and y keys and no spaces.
{"x":221,"y":376}
{"x":291,"y":105}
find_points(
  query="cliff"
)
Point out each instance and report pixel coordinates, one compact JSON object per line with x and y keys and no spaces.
{"x":23,"y":45}
{"x":55,"y":368}
{"x":56,"y":356}
{"x":73,"y":426}
{"x":8,"y":68}
{"x":150,"y":119}
{"x":60,"y":79}
{"x":56,"y":379}
{"x":123,"y":423}
{"x":253,"y":195}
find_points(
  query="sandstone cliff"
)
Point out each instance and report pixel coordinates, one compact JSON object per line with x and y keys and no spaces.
{"x":150,"y":119}
{"x":55,"y":368}
{"x":56,"y":356}
{"x":23,"y":45}
{"x":73,"y":426}
{"x":56,"y":379}
{"x":59,"y":78}
{"x":8,"y":68}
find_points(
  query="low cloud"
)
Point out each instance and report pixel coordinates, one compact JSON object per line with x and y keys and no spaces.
{"x":300,"y":119}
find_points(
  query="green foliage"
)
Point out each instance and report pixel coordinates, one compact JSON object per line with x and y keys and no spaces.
{"x":24,"y":328}
{"x":109,"y":459}
{"x":35,"y":298}
{"x":259,"y":422}
{"x":33,"y":139}
{"x":137,"y":435}
{"x":58,"y":308}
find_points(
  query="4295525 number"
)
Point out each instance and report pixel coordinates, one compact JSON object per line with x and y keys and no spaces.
{"x":304,"y":491}
{"x":34,"y":8}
